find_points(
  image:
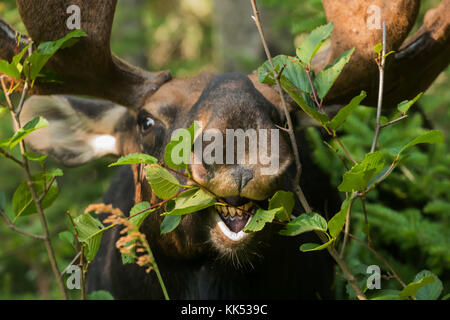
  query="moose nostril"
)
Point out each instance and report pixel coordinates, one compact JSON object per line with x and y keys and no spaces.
{"x":242,"y":176}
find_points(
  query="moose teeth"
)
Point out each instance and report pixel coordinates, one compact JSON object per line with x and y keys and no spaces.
{"x":232,"y":211}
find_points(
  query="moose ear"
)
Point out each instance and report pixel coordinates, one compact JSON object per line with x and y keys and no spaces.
{"x":80,"y":130}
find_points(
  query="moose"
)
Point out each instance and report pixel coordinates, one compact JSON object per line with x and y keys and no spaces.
{"x":132,"y":110}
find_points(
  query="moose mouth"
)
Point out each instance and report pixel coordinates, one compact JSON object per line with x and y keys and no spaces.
{"x":233,"y":220}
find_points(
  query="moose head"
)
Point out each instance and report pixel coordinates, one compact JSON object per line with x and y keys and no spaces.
{"x":143,"y":109}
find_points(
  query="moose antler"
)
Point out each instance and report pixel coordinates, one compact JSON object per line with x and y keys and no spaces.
{"x":89,"y":67}
{"x":416,"y":63}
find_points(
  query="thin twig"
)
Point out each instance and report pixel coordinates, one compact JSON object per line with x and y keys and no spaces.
{"x":14,"y":228}
{"x":394,"y":121}
{"x":71,"y":263}
{"x":347,"y":153}
{"x":9,"y":156}
{"x":347,"y":225}
{"x":47,"y":188}
{"x":380,"y":91}
{"x":318,"y":104}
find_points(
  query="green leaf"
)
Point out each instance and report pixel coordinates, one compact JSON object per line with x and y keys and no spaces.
{"x":404,"y":106}
{"x":66,"y":236}
{"x":100,"y":295}
{"x":313,"y":43}
{"x":359,"y":176}
{"x":259,"y":220}
{"x":346,"y":111}
{"x":38,"y":59}
{"x":321,"y":118}
{"x":192,"y":200}
{"x":32,"y":125}
{"x":336,"y":223}
{"x":433,"y":136}
{"x":315,"y":246}
{"x":138,"y":208}
{"x":134,"y":158}
{"x":90,"y":231}
{"x":163,"y":183}
{"x":304,"y":223}
{"x":35,"y":157}
{"x":13,"y":69}
{"x":378,"y":48}
{"x":22,"y":201}
{"x":170,"y":223}
{"x":285,"y":201}
{"x":431,"y":291}
{"x":411,"y":289}
{"x":293,"y":72}
{"x":326,"y":78}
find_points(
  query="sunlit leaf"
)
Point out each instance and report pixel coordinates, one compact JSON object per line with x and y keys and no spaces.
{"x":337,"y":222}
{"x":163,"y":183}
{"x":304,"y":223}
{"x":284,"y":200}
{"x":192,"y":200}
{"x":327,"y":77}
{"x":259,"y":220}
{"x":313,"y":42}
{"x":404,"y":106}
{"x":346,"y":111}
{"x":359,"y":176}
{"x":134,"y":158}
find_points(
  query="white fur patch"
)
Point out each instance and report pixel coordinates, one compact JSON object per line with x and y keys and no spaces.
{"x":103,"y":144}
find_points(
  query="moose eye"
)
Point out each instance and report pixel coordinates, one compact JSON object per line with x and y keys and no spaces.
{"x":146,"y":124}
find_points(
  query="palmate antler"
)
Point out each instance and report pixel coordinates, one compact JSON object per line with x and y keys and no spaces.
{"x":89,"y":67}
{"x":416,"y":63}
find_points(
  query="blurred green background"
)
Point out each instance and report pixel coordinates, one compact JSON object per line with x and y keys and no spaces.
{"x":408,"y":215}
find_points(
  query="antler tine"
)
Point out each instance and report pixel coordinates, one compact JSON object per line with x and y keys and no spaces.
{"x":411,"y":70}
{"x":88,"y":67}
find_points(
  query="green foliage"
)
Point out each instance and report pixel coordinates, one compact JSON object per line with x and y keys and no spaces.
{"x":134,"y":158}
{"x":284,"y":200}
{"x":19,"y":135}
{"x":192,"y":200}
{"x":22,"y":201}
{"x":170,"y":223}
{"x":359,"y":176}
{"x":90,"y":231}
{"x":326,"y":77}
{"x":261,"y":217}
{"x":345,"y":112}
{"x":163,"y":183}
{"x":404,"y":106}
{"x":307,"y":247}
{"x":304,"y":223}
{"x":313,"y":42}
{"x":100,"y":295}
